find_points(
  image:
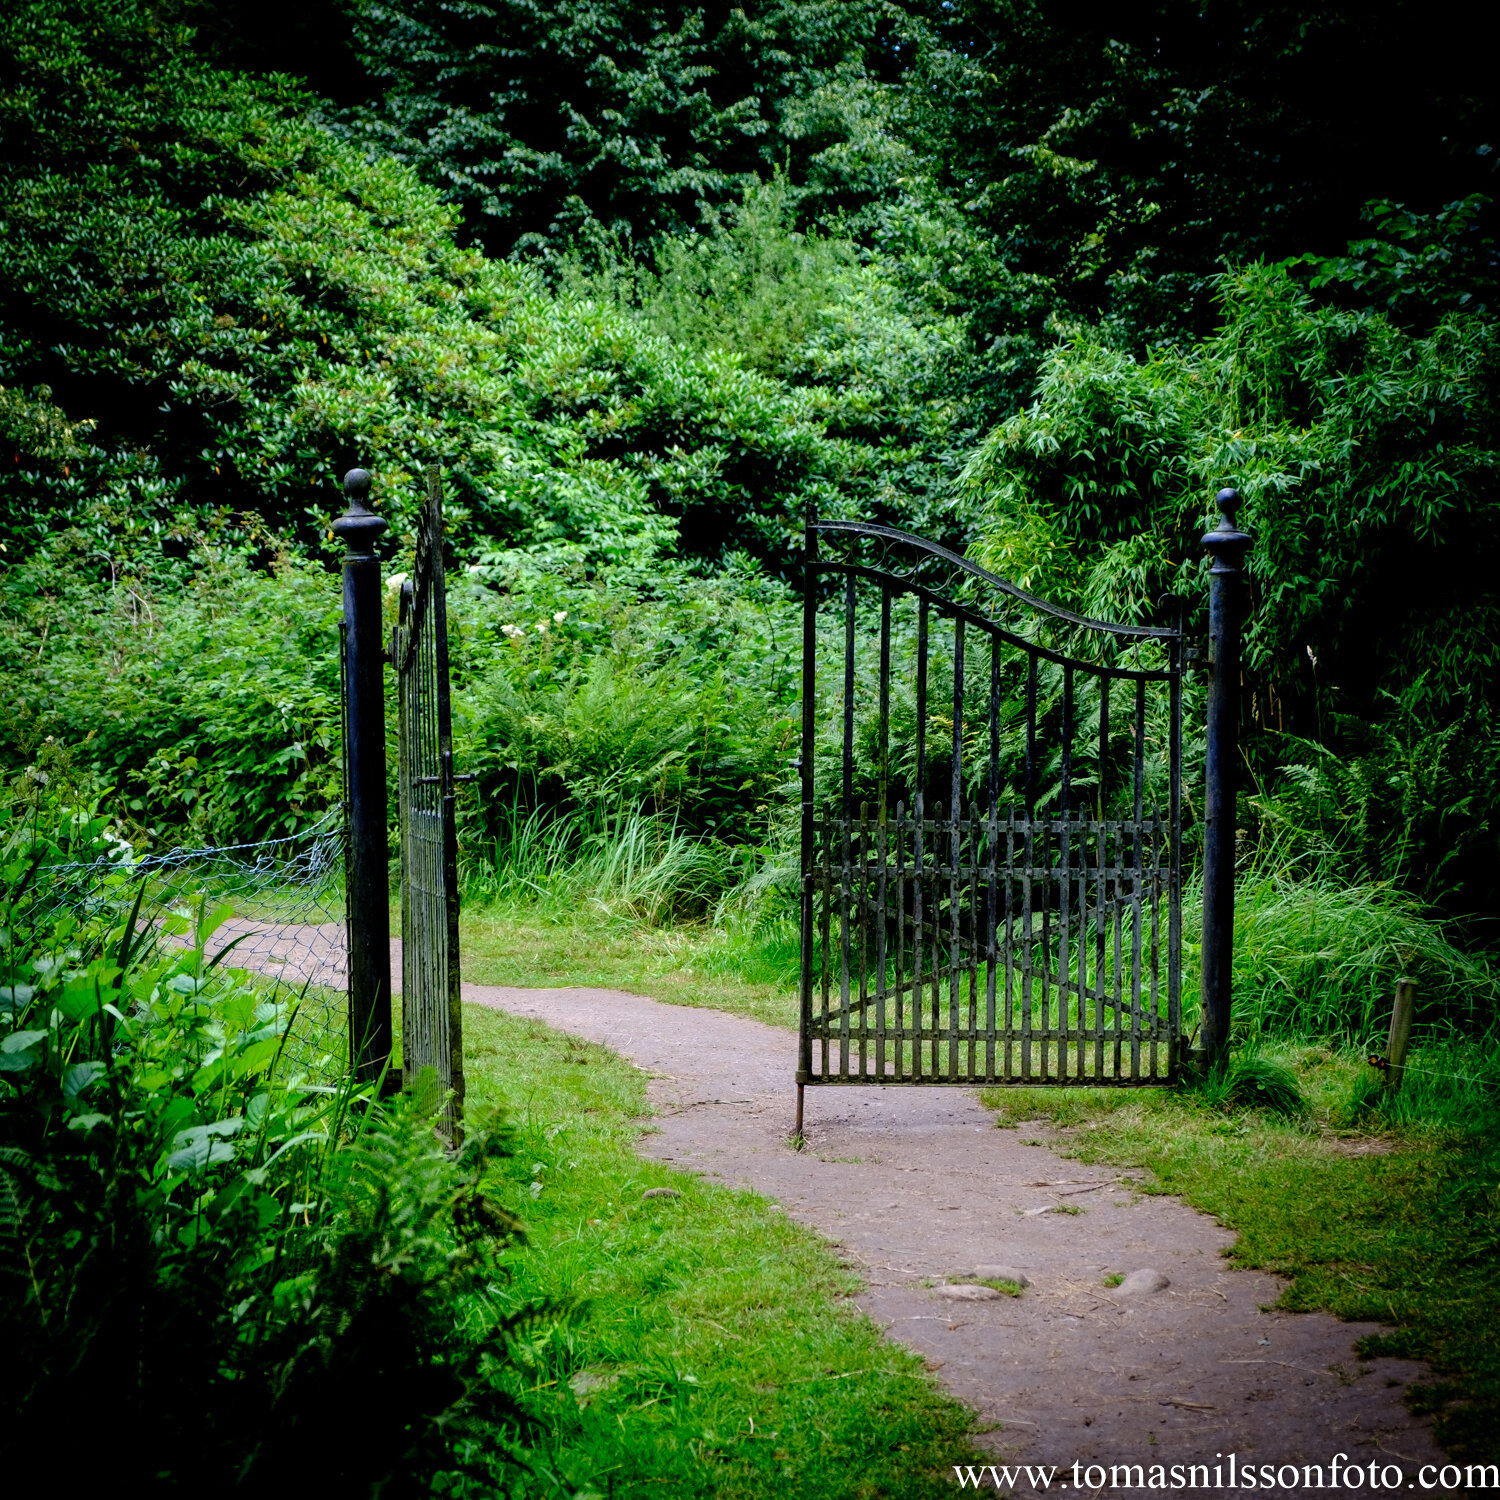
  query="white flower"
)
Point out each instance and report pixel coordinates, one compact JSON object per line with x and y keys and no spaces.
{"x":559,"y":617}
{"x":541,"y":627}
{"x":513,"y":632}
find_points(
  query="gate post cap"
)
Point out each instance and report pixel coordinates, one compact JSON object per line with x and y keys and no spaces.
{"x":1226,"y":543}
{"x":359,"y":525}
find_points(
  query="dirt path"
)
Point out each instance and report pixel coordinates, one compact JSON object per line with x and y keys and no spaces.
{"x":916,"y":1185}
{"x":919,"y":1184}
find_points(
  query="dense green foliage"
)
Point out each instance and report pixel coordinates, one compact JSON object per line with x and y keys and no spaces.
{"x":796,"y":255}
{"x":580,"y":118}
{"x":232,"y":1266}
{"x":1367,"y":459}
{"x":244,"y":304}
{"x":650,"y":282}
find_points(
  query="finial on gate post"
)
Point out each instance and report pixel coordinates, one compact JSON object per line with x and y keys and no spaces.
{"x":367,"y":870}
{"x":359,"y":525}
{"x":1227,"y":545}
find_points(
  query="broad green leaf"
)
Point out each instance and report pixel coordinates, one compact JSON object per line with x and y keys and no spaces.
{"x":80,"y":1077}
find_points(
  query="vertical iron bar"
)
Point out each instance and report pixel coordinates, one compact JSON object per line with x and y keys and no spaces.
{"x":826,"y":969}
{"x":1010,"y":876}
{"x":1044,"y":863}
{"x":991,"y":913}
{"x":901,"y":978}
{"x":1067,"y":737}
{"x":1030,"y":733}
{"x":919,"y":856}
{"x":1118,"y":914}
{"x":1064,"y":915}
{"x":1174,"y":854}
{"x":884,"y":744}
{"x":1154,"y":889}
{"x":1137,"y":881}
{"x":921,"y":785}
{"x":991,"y":955}
{"x":882,"y":857}
{"x":1099,"y":1023}
{"x":1083,"y":943}
{"x":849,"y":603}
{"x":447,"y":829}
{"x":805,"y":768}
{"x":955,"y":900}
{"x":1103,"y":738}
{"x":935,"y":1021}
{"x":845,"y":860}
{"x":862,"y":896}
{"x":1028,"y":857}
{"x":918,"y":934}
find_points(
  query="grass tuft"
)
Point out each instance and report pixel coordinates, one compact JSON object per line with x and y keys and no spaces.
{"x":1251,"y":1082}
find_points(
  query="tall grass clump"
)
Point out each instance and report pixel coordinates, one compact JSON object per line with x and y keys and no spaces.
{"x":620,"y":862}
{"x":1315,"y":957}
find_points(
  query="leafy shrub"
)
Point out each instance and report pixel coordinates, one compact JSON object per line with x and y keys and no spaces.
{"x":242,"y":304}
{"x":1366,"y":457}
{"x":572,"y":121}
{"x":246,"y":1279}
{"x":212,"y":706}
{"x":1246,"y":1081}
{"x":1317,"y":957}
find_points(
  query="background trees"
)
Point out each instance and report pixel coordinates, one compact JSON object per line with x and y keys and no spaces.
{"x":650,"y":279}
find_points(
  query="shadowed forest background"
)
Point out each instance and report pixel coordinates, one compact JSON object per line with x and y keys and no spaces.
{"x":651,"y":280}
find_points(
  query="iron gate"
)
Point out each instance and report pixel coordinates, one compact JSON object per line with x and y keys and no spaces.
{"x":431,"y":1017}
{"x":991,"y":828}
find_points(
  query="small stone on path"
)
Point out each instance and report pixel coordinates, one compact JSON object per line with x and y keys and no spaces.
{"x":1138,"y":1283}
{"x":968,"y":1291}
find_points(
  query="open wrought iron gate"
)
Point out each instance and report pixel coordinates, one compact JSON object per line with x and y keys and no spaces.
{"x":991,"y":828}
{"x":432,"y":1024}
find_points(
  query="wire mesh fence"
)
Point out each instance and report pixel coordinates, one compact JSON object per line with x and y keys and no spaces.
{"x":274,"y":909}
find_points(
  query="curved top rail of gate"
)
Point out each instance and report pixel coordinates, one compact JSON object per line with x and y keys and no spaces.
{"x":957,"y":560}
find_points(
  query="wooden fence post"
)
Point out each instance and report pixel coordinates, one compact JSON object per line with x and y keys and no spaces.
{"x":1400,"y":1038}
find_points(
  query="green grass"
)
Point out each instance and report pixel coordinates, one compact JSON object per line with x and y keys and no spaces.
{"x":737,"y":967}
{"x":712,"y":1348}
{"x":1390,"y":1215}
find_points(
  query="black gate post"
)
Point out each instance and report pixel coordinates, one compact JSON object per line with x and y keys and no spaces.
{"x":1227,"y":545}
{"x":368,"y":880}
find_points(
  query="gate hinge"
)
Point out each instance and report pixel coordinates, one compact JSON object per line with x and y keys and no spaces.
{"x":1197,"y":658}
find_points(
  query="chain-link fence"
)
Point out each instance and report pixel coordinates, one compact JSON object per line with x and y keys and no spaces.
{"x":275,"y":909}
